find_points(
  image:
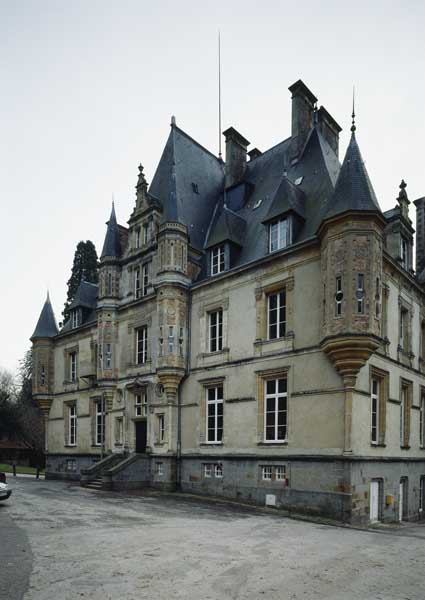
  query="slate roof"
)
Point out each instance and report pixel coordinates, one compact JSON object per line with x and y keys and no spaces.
{"x":288,"y":198}
{"x":85,"y":296}
{"x":112,"y":243}
{"x":185,"y":162}
{"x":353,"y":190}
{"x":46,"y":325}
{"x":227,"y":227}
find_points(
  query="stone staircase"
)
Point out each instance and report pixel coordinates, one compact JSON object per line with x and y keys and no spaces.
{"x":93,"y":477}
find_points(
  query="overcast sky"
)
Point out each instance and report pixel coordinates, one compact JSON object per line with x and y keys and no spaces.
{"x":88,"y":88}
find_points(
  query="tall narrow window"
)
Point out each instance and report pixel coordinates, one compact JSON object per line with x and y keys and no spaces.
{"x":72,"y":425}
{"x":378,"y":298}
{"x":137,"y":283}
{"x":403,"y":328}
{"x":137,"y":237}
{"x":360,"y":294}
{"x":277,"y":315}
{"x":276,"y":410}
{"x":145,"y":233}
{"x":109,"y":284}
{"x":145,"y":279}
{"x":43,"y":375}
{"x":141,"y":345}
{"x":422,"y":421}
{"x":214,"y":414}
{"x":338,"y":296}
{"x":171,"y":339}
{"x":217,"y":260}
{"x":161,"y":341}
{"x":100,"y":355}
{"x":216,"y":330}
{"x":75,"y":318}
{"x":108,"y":356}
{"x":181,"y":339}
{"x":99,"y":424}
{"x":141,"y":404}
{"x":279,"y":234}
{"x":422,"y":494}
{"x":405,"y":403}
{"x":73,"y":367}
{"x":161,"y":428}
{"x":404,"y":253}
{"x":374,"y":410}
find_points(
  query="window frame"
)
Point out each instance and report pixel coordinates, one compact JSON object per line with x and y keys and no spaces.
{"x":375,"y":398}
{"x":137,"y":286}
{"x":145,"y":279}
{"x":215,"y":330}
{"x":280,"y":323}
{"x":360,"y":294}
{"x":141,"y":403}
{"x":100,"y":429}
{"x":218,"y":259}
{"x":339,"y":296}
{"x":422,"y":418}
{"x":218,"y":471}
{"x":276,"y":396}
{"x":72,"y":424}
{"x":283,"y":236}
{"x":141,"y":345}
{"x":217,"y":413}
{"x":161,"y":428}
{"x":73,"y":371}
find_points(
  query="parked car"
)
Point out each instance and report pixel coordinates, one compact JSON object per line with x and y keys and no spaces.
{"x":5,"y":491}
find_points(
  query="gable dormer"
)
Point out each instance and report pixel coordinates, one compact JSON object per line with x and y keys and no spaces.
{"x":399,"y":231}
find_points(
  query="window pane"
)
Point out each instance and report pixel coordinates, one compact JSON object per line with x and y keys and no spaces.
{"x":271,"y":388}
{"x":282,"y":386}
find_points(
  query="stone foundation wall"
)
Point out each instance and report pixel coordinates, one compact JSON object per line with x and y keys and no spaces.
{"x":68,"y":466}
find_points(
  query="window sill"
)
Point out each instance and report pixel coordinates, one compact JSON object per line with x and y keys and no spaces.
{"x":264,"y":347}
{"x":70,"y":445}
{"x":211,"y":444}
{"x":405,"y":447}
{"x":278,"y":443}
{"x":206,"y":359}
{"x":380,"y":445}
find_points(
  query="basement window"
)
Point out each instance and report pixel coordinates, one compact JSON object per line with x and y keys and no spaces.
{"x":195,"y":189}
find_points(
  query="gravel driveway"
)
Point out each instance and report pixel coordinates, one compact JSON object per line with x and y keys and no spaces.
{"x":77,"y":543}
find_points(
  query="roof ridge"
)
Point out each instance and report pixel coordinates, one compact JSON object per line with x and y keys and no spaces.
{"x":190,"y":138}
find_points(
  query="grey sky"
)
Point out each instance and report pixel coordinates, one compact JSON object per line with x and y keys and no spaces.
{"x":88,"y":88}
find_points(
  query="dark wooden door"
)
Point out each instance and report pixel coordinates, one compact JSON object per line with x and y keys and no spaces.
{"x":141,"y":436}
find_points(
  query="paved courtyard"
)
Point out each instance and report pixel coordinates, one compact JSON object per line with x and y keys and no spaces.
{"x":61,"y":542}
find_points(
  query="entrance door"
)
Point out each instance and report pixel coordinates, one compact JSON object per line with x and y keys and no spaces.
{"x":141,"y":436}
{"x":374,"y":501}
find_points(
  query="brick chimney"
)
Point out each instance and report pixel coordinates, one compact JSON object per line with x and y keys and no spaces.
{"x":329,"y":128}
{"x":303,"y":101}
{"x":420,"y":234}
{"x":236,"y":150}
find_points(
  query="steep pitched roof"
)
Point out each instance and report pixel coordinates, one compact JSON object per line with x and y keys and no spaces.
{"x":228,"y":227}
{"x":187,"y":183}
{"x":112,"y":243}
{"x":353,"y":189}
{"x":288,"y":198}
{"x":85,"y":296}
{"x":46,"y":324}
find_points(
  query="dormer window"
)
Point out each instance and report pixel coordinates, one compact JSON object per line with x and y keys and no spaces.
{"x":404,"y":253}
{"x":279,"y":234}
{"x":218,"y":260}
{"x":76,"y":320}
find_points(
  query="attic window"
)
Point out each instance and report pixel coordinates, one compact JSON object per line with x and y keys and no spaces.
{"x":195,"y":188}
{"x":217,"y":260}
{"x":299,"y":180}
{"x":279,"y":234}
{"x":257,"y":204}
{"x":75,"y":318}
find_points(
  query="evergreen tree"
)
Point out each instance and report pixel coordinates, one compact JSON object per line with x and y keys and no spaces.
{"x":85,"y":267}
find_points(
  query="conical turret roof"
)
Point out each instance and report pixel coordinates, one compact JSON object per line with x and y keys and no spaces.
{"x":112,"y":244}
{"x":353,"y":189}
{"x":46,"y":324}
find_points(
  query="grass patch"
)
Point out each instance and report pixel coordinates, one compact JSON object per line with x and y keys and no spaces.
{"x":20,"y":470}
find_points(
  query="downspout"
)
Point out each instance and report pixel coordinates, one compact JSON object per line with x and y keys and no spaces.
{"x":179,"y":391}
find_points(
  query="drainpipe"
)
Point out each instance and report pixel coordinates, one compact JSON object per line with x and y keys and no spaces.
{"x":179,"y":391}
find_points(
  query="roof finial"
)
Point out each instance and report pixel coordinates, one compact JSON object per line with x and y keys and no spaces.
{"x":113,"y":200}
{"x":353,"y":117}
{"x":173,"y":121}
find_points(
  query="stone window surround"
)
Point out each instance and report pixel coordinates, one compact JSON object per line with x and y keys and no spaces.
{"x":93,"y":401}
{"x":205,"y":308}
{"x":67,"y":404}
{"x":204,"y":385}
{"x":261,"y":296}
{"x":132,"y":328}
{"x":405,"y":306}
{"x":384,"y":386}
{"x":422,"y":417}
{"x":422,"y":341}
{"x":67,"y":363}
{"x":262,"y":377}
{"x":406,"y":384}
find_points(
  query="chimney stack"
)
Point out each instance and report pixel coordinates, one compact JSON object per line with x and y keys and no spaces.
{"x":254,"y":153}
{"x":303,"y":102}
{"x":236,"y":150}
{"x":329,"y":128}
{"x":420,"y":235}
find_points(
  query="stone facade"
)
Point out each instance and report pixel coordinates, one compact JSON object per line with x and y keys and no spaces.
{"x":178,"y":370}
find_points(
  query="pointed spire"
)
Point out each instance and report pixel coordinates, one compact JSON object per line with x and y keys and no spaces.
{"x":353,"y":117}
{"x":353,"y":189}
{"x":170,"y":208}
{"x":46,"y":325}
{"x":112,"y":244}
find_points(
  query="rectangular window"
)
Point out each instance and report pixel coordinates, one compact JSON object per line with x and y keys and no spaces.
{"x":374,"y":410}
{"x":145,"y":233}
{"x":145,"y":279}
{"x":403,"y":328}
{"x":280,"y":473}
{"x":159,"y":468}
{"x":276,"y":410}
{"x":108,"y":356}
{"x":207,"y":470}
{"x":170,"y":339}
{"x":118,"y":431}
{"x":71,"y":464}
{"x":72,"y":425}
{"x":217,"y":260}
{"x":73,"y":367}
{"x":276,"y":315}
{"x":161,"y":428}
{"x":100,"y":355}
{"x":161,"y":342}
{"x":360,"y":294}
{"x":267,"y":473}
{"x":75,"y":318}
{"x":181,"y":339}
{"x":43,"y":376}
{"x":137,"y":283}
{"x":216,"y":330}
{"x":218,"y":471}
{"x":404,"y":253}
{"x":100,"y":423}
{"x":141,"y":345}
{"x":214,"y":414}
{"x":279,"y":234}
{"x":137,"y":238}
{"x":422,"y":421}
{"x":405,"y":404}
{"x":141,"y":404}
{"x":109,"y":292}
{"x":338,"y":296}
